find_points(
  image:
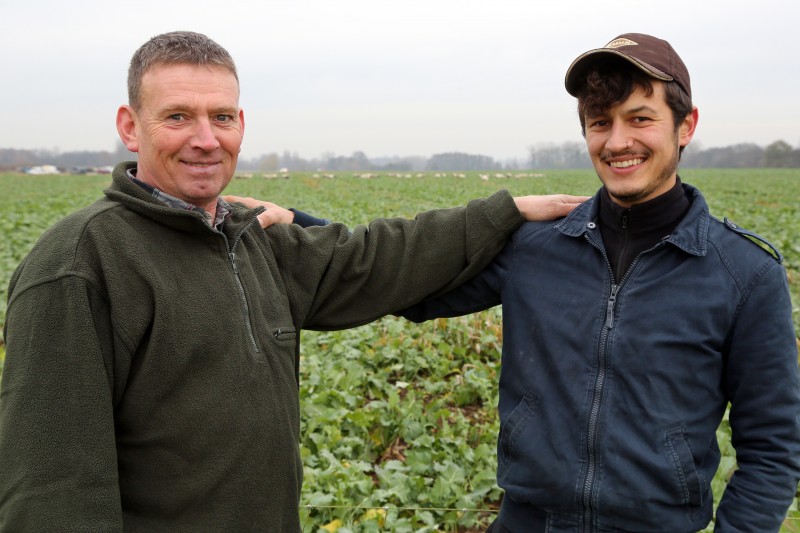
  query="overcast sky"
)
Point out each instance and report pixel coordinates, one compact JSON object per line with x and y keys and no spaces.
{"x":400,"y":77}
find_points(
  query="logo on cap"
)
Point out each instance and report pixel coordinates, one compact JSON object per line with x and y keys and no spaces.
{"x":616,"y":43}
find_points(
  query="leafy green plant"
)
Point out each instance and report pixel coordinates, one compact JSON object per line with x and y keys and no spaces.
{"x":399,"y":421}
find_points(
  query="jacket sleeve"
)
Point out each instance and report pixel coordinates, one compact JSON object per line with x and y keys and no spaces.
{"x":305,"y":220}
{"x":352,"y":278}
{"x":58,"y":467}
{"x":479,"y":293}
{"x":763,"y":388}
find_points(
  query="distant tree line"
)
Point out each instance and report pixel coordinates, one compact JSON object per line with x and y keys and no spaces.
{"x":567,"y":155}
{"x":461,"y":162}
{"x":330,"y":162}
{"x":14,"y":159}
{"x":564,"y":155}
{"x":779,"y":154}
{"x":359,"y":162}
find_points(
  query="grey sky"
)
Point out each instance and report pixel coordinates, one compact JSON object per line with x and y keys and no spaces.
{"x":411,"y":77}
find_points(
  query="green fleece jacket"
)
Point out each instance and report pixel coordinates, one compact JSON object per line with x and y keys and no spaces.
{"x":151,"y":379}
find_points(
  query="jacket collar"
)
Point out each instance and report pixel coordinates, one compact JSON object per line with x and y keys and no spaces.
{"x":691,"y":234}
{"x":135,"y":198}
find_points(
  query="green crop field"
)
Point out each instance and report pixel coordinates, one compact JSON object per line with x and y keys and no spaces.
{"x":399,"y":420}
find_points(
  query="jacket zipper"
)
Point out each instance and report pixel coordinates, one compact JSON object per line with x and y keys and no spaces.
{"x":623,"y":250}
{"x":587,"y":522}
{"x":240,"y":286}
{"x":594,"y":413}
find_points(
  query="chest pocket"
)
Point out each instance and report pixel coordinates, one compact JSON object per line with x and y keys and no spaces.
{"x":284,"y":334}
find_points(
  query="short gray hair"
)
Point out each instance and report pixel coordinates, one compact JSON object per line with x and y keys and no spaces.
{"x":177,"y":47}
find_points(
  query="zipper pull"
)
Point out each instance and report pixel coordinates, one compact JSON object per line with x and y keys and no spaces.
{"x":610,"y":309}
{"x":232,"y":257}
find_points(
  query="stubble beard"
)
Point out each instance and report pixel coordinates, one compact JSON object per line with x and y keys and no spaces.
{"x":636,"y":196}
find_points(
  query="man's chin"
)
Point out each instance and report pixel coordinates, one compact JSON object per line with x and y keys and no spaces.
{"x":625,"y":195}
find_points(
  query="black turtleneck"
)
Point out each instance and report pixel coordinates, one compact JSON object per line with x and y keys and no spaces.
{"x":627,"y":232}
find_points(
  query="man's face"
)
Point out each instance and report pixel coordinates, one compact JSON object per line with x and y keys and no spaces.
{"x":187,"y":132}
{"x":634,"y":146}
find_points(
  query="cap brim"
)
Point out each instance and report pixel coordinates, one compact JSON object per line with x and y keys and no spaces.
{"x":577,"y":70}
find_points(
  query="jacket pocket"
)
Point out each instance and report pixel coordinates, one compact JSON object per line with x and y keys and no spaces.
{"x":284,"y":334}
{"x":686,"y":475}
{"x":282,"y":347}
{"x":510,"y":430}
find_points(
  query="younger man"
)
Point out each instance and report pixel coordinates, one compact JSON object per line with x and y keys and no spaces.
{"x":630,"y":325}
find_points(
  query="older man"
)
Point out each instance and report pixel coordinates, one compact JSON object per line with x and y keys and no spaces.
{"x":152,"y":338}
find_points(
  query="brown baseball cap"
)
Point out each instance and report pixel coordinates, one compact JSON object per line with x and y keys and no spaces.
{"x":655,"y":57}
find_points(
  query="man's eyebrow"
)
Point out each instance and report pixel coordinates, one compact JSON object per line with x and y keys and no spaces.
{"x":226,"y":109}
{"x":641,"y":109}
{"x":180,"y":108}
{"x":177,"y":108}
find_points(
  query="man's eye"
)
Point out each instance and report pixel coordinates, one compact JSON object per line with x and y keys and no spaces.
{"x":224,"y":118}
{"x":175,"y":116}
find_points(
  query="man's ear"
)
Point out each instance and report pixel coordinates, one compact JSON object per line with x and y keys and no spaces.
{"x":126,"y":127}
{"x":688,"y":127}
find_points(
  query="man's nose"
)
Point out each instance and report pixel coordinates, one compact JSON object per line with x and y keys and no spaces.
{"x":204,"y":137}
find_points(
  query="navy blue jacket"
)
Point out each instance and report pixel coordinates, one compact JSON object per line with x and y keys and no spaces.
{"x":611,"y":392}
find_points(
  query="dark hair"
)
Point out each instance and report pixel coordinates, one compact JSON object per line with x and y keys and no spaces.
{"x":610,"y":81}
{"x":175,"y":47}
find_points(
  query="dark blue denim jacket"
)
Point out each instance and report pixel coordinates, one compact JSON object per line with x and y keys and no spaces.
{"x":611,"y":392}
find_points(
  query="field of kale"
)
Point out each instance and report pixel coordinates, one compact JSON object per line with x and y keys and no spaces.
{"x":399,"y":420}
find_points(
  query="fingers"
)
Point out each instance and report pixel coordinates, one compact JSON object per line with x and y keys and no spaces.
{"x":250,"y":203}
{"x":265,"y":219}
{"x":547,"y":207}
{"x":274,"y":214}
{"x":570,"y":199}
{"x":563,"y":209}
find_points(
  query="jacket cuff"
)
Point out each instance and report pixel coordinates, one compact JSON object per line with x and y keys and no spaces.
{"x":304,"y":220}
{"x":506,"y":214}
